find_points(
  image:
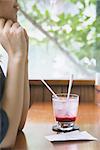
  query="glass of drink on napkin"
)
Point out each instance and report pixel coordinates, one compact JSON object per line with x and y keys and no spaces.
{"x":65,"y":111}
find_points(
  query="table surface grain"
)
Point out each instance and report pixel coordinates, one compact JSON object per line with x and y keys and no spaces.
{"x":39,"y":124}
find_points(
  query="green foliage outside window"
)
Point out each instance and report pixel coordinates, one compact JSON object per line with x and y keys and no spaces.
{"x":78,"y":33}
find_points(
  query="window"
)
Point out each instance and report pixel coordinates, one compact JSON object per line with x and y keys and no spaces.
{"x":64,"y":37}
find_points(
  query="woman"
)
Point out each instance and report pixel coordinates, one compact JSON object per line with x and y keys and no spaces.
{"x":14,"y":89}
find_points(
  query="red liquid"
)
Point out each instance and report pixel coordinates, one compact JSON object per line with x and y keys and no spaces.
{"x":65,"y":119}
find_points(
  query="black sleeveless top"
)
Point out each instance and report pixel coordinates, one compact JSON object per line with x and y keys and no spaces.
{"x":4,"y":123}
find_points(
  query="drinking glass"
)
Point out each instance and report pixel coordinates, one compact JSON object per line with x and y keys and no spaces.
{"x":65,"y":111}
{"x":97,"y":89}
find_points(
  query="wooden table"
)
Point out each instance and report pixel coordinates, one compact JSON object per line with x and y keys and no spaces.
{"x":39,"y":124}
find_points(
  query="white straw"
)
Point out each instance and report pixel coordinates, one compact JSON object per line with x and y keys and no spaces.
{"x":70,"y":85}
{"x":49,"y":88}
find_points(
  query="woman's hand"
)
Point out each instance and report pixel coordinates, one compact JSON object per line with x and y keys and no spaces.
{"x":14,"y":39}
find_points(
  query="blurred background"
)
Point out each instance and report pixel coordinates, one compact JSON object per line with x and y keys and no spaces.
{"x":64,"y":38}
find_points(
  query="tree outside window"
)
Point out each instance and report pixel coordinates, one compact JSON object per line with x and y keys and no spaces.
{"x":64,"y":37}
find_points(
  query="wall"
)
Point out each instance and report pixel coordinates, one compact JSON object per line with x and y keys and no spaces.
{"x":39,"y":93}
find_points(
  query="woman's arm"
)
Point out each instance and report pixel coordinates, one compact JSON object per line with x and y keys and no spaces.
{"x":13,"y":39}
{"x":13,"y":99}
{"x":26,"y":98}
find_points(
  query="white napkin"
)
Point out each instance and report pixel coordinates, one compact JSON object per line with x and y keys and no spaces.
{"x":71,"y":136}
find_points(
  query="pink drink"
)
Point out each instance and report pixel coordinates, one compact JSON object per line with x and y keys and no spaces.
{"x":65,"y":119}
{"x":65,"y":110}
